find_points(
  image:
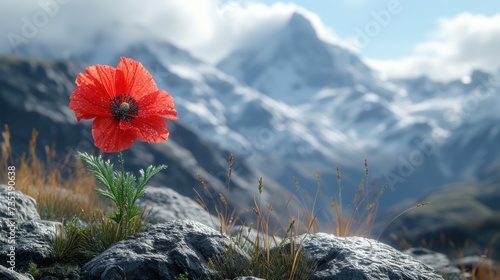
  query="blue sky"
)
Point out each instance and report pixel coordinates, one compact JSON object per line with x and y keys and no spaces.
{"x":414,"y":24}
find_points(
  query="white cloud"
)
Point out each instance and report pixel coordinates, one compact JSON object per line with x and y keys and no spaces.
{"x":211,"y":29}
{"x":207,"y":28}
{"x":76,"y":25}
{"x":459,"y":45}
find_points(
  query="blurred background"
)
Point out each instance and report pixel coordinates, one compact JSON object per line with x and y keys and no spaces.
{"x":290,"y":88}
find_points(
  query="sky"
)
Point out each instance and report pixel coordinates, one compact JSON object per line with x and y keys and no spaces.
{"x":413,"y":24}
{"x":444,"y":39}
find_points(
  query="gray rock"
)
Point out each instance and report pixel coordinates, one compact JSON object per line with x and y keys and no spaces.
{"x":359,"y":258}
{"x":168,"y":205}
{"x":113,"y":272}
{"x":25,"y":206}
{"x":25,"y":232}
{"x":7,"y":274}
{"x":31,"y":242}
{"x":164,"y":251}
{"x":440,"y":262}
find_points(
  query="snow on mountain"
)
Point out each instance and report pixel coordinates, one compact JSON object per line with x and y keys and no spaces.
{"x":465,"y":118}
{"x":294,"y":63}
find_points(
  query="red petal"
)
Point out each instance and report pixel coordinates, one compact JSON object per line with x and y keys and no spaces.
{"x":126,"y":125}
{"x":158,"y":103}
{"x":149,"y":129}
{"x":88,"y":103}
{"x":108,"y":137}
{"x":101,"y":78}
{"x":133,"y":79}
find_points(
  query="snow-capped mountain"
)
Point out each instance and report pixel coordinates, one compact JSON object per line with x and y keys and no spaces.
{"x":293,"y":64}
{"x":292,"y":104}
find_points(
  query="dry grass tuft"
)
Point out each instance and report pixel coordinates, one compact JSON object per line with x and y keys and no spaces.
{"x":269,"y":257}
{"x":62,"y":188}
{"x":358,"y":218}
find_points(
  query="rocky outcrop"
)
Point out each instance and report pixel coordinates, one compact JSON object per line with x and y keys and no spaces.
{"x":440,"y":262}
{"x":24,"y":206}
{"x":167,"y":205}
{"x":7,"y":274}
{"x":26,"y":233}
{"x":359,"y":258}
{"x":164,"y":251}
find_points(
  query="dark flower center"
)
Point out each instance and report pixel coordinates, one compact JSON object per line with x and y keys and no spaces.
{"x":124,"y":107}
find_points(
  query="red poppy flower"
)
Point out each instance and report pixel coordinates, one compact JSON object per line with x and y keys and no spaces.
{"x":125,"y":103}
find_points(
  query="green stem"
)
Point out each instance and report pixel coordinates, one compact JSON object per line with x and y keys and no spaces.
{"x":124,"y":207}
{"x":120,"y":154}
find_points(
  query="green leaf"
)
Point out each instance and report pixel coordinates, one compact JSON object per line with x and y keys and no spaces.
{"x":122,"y":188}
{"x":105,"y":193}
{"x":101,"y":170}
{"x":133,"y":211}
{"x":113,"y":215}
{"x":147,"y":175}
